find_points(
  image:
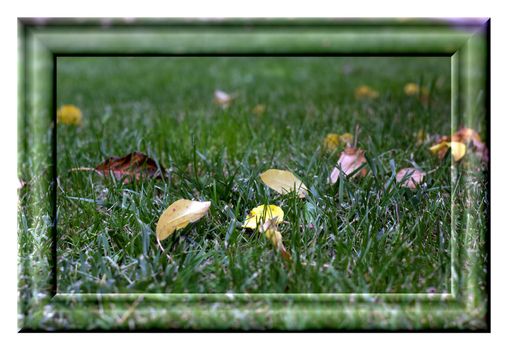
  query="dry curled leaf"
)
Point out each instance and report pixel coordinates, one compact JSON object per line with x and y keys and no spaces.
{"x":283,"y":182}
{"x":134,"y":166}
{"x":351,"y":159}
{"x":260,"y":214}
{"x":178,"y":215}
{"x":410,"y":177}
{"x":69,"y":114}
{"x":270,"y":229}
{"x":222,"y":98}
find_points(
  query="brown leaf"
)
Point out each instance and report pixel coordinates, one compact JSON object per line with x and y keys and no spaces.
{"x":350,"y":160}
{"x":410,"y":176}
{"x":133,"y":166}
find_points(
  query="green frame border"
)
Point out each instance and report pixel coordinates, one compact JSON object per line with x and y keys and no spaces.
{"x":41,"y":308}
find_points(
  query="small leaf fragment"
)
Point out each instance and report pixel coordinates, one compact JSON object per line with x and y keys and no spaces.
{"x":261,"y":214}
{"x":283,"y":181}
{"x":222,"y":98}
{"x":413,"y":89}
{"x":332,"y":141}
{"x":178,"y":215}
{"x":421,"y":137}
{"x":410,"y":177}
{"x":259,"y":109}
{"x":350,"y":160}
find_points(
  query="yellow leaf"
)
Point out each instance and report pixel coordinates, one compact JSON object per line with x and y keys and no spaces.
{"x":178,"y":215}
{"x":458,"y":150}
{"x":283,"y":182}
{"x":365,"y":91}
{"x":346,"y":138}
{"x":69,"y":114}
{"x":438,"y":147}
{"x":332,"y":141}
{"x":261,"y":214}
{"x":411,"y":89}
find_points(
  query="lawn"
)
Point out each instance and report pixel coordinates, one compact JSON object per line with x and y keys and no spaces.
{"x":361,"y":235}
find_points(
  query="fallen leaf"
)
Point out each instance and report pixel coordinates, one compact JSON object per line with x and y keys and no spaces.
{"x":411,"y":89}
{"x":135,"y":165}
{"x":440,"y":149}
{"x":283,"y":181}
{"x":332,"y":141}
{"x":410,"y":176}
{"x":365,"y":91}
{"x":270,"y":229}
{"x":460,"y":141}
{"x":466,"y":134}
{"x":350,"y":160}
{"x":222,"y":98}
{"x":260,"y":214}
{"x":472,"y":138}
{"x":458,"y":149}
{"x":178,"y":215}
{"x":69,"y":114}
{"x":259,"y":109}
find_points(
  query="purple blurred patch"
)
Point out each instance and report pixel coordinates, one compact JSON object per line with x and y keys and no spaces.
{"x":467,"y":24}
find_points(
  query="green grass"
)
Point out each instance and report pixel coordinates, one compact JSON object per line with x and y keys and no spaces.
{"x":375,"y":235}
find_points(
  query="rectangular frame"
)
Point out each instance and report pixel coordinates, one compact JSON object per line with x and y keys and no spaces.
{"x":41,"y":308}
